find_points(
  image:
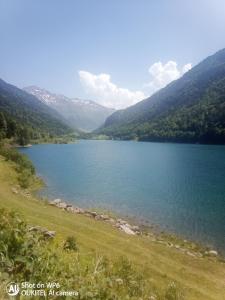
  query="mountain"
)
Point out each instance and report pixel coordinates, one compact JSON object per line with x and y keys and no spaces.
{"x":21,"y":112}
{"x":83,"y":114}
{"x":190,"y":109}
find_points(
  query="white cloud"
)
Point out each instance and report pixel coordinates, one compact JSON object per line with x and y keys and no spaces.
{"x":107,"y":93}
{"x":186,"y":68}
{"x":164,"y":74}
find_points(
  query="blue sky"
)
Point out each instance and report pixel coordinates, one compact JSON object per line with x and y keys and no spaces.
{"x":126,"y":49}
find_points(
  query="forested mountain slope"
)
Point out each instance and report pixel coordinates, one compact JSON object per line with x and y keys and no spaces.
{"x":190,"y":109}
{"x":22,"y":114}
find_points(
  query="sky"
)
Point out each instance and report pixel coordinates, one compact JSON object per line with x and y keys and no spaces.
{"x":116,"y":52}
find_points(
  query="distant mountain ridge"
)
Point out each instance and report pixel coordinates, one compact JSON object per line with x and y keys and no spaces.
{"x":85,"y":115}
{"x":190,"y":109}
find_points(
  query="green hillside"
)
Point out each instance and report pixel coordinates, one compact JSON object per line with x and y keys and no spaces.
{"x":190,"y":109}
{"x":23,"y":116}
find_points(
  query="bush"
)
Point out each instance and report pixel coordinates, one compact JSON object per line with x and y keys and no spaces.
{"x":70,"y":244}
{"x":24,"y":179}
{"x":21,"y":160}
{"x":24,"y":166}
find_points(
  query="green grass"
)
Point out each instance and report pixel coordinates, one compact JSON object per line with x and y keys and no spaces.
{"x":202,"y":279}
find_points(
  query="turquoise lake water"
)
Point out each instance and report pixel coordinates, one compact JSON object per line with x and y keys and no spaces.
{"x":179,"y":187}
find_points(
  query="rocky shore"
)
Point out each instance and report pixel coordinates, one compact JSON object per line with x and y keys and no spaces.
{"x":183,"y":246}
{"x":118,"y":223}
{"x":189,"y":248}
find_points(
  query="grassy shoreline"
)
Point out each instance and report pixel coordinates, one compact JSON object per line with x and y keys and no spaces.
{"x":200,"y":277}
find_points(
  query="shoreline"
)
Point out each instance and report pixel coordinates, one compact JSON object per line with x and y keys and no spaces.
{"x":126,"y":225}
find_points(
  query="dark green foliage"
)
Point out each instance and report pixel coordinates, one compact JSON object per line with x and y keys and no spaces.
{"x":190,"y":109}
{"x":21,"y":160}
{"x":18,"y":246}
{"x":70,"y":244}
{"x":26,"y":118}
{"x":23,"y":165}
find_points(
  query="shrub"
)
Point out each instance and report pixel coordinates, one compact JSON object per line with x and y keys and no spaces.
{"x":21,"y":160}
{"x":70,"y":244}
{"x":24,"y":179}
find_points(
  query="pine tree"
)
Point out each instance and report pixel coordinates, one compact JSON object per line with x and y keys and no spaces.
{"x":3,"y":126}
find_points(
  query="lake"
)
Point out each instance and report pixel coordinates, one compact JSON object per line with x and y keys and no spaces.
{"x":178,"y":187}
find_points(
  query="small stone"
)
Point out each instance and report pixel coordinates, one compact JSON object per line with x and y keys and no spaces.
{"x":120,"y":221}
{"x":93,"y":213}
{"x":35,"y":228}
{"x":56,"y":201}
{"x":111,"y":220}
{"x":49,"y":234}
{"x":135,"y":228}
{"x":190,"y":254}
{"x":212,"y":253}
{"x":104,"y":217}
{"x":62,"y":205}
{"x":127,"y":230}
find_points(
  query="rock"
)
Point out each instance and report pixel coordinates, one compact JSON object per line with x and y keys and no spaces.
{"x":190,"y":254}
{"x":93,"y":213}
{"x":212,"y":253}
{"x":36,"y":228}
{"x":136,"y":229}
{"x":78,"y":210}
{"x":104,"y":217}
{"x":70,"y":208}
{"x":46,"y":233}
{"x":111,"y":220}
{"x":62,"y":205}
{"x":55,"y":202}
{"x":127,"y":230}
{"x":87,"y":214}
{"x":49,"y":234}
{"x":120,"y":221}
